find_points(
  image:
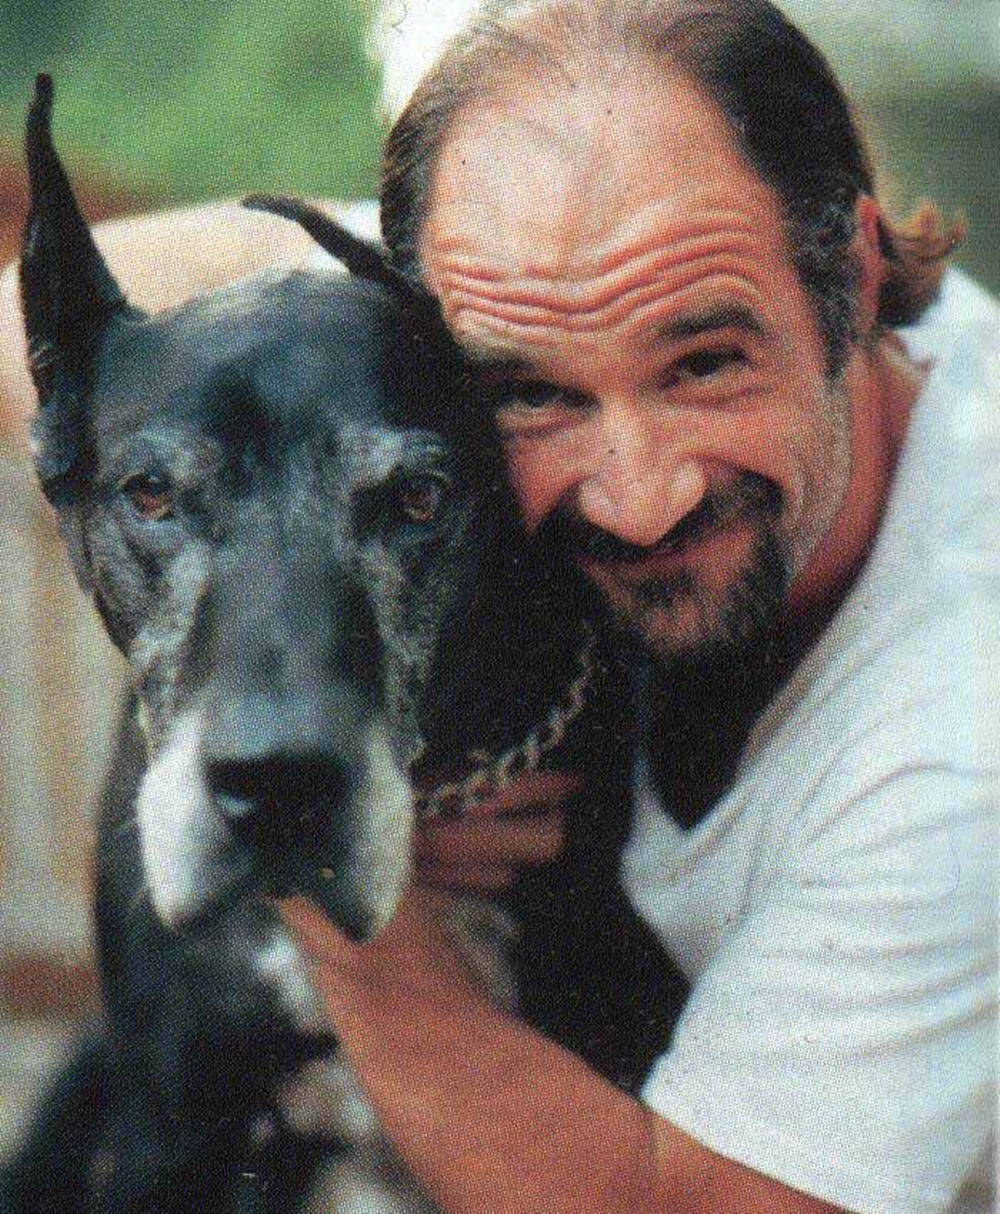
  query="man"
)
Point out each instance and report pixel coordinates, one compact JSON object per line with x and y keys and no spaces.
{"x":654,"y":227}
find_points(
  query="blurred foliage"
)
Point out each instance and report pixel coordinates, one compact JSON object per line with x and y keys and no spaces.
{"x":186,"y":99}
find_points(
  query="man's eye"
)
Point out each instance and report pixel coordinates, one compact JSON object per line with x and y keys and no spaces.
{"x":531,"y":394}
{"x":704,"y":364}
{"x":150,"y":495}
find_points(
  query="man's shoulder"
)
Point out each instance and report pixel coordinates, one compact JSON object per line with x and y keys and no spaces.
{"x":943,"y":516}
{"x":964,"y":313}
{"x":898,"y":683}
{"x":904,"y":680}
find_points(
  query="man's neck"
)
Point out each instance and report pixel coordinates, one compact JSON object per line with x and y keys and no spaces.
{"x":882,"y":385}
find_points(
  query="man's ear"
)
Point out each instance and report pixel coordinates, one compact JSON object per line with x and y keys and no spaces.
{"x":871,"y":265}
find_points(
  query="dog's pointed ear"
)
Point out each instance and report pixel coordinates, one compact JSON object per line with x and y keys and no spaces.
{"x":362,"y":258}
{"x":67,"y":293}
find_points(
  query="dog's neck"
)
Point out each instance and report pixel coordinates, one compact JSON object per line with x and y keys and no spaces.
{"x":482,"y":773}
{"x":512,"y":655}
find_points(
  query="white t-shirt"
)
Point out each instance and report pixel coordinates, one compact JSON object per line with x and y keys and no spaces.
{"x":836,"y":911}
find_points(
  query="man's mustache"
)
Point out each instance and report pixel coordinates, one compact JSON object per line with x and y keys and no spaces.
{"x":747,"y":498}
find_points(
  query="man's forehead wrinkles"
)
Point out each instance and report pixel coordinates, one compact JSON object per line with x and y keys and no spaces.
{"x":721,"y":287}
{"x":498,"y":346}
{"x":458,"y":245}
{"x":660,"y":271}
{"x":507,"y":348}
{"x":665,"y":226}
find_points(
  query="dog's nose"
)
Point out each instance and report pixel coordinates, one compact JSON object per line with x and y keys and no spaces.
{"x":274,"y":766}
{"x":295,"y":784}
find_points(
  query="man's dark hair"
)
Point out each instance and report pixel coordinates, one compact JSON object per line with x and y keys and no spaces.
{"x":782,"y":101}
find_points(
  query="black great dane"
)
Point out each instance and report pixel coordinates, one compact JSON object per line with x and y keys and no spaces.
{"x":288,"y":506}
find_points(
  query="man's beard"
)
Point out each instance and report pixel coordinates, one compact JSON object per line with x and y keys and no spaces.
{"x":736,"y":621}
{"x":675,"y":618}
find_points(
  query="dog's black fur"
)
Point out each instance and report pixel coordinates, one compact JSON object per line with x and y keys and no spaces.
{"x":292,"y":518}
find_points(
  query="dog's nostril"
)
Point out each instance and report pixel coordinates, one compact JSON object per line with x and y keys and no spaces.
{"x":292,"y":785}
{"x":232,"y":807}
{"x":235,"y":782}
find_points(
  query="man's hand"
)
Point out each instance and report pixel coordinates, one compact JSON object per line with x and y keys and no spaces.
{"x":414,"y":960}
{"x":522,"y":826}
{"x":480,"y":1106}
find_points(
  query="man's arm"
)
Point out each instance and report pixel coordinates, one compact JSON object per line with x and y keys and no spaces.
{"x":487,"y":1113}
{"x":160,"y":260}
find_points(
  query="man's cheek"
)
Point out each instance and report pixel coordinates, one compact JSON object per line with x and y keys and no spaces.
{"x":548,"y":466}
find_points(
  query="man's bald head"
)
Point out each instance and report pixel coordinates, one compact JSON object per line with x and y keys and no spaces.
{"x":782,"y":106}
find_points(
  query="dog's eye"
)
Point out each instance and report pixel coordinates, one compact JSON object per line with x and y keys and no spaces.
{"x":420,"y":498}
{"x":150,"y":495}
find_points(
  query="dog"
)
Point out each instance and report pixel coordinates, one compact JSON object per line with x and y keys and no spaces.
{"x":289,"y":509}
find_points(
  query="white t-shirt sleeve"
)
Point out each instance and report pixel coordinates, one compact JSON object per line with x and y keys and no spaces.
{"x":842,"y":1038}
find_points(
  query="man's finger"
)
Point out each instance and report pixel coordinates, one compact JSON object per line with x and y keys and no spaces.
{"x":465,"y":878}
{"x":532,"y":840}
{"x":527,"y":793}
{"x":312,"y":928}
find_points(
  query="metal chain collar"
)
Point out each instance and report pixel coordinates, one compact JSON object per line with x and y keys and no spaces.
{"x":451,"y":800}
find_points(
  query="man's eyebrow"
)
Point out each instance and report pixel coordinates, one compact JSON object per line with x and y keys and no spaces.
{"x":729,"y":316}
{"x":485,"y":362}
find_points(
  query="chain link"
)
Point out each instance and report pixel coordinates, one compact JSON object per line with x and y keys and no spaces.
{"x":452,"y":799}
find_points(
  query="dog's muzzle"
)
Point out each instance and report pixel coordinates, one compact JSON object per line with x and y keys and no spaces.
{"x":223,"y":812}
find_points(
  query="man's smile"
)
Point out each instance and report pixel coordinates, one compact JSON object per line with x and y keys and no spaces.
{"x":673,"y":555}
{"x":718,"y":522}
{"x":705,"y":583}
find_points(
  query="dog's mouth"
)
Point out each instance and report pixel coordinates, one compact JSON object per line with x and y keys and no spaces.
{"x":208,"y":842}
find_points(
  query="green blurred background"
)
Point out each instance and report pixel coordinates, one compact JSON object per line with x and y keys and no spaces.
{"x":187,"y":99}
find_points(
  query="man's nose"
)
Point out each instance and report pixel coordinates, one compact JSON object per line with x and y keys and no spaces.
{"x":638,"y":485}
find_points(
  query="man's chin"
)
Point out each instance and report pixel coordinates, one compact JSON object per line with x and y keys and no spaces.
{"x":687,"y":630}
{"x":680,"y":619}
{"x":680,"y":633}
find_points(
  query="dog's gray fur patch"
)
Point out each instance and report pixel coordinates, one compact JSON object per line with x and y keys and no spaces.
{"x":185,"y":844}
{"x":158,"y":649}
{"x":383,"y":811}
